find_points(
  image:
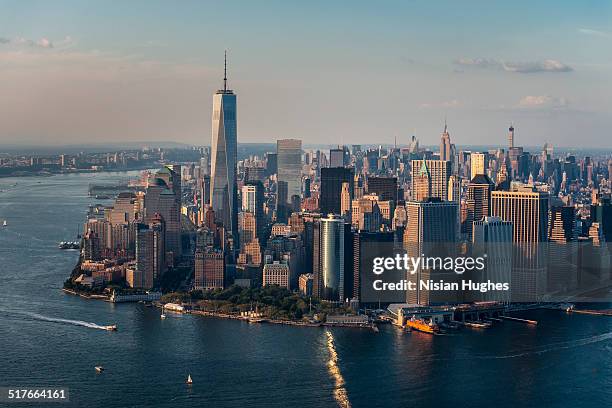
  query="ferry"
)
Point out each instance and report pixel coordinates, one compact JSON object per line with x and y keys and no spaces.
{"x":422,"y":326}
{"x":112,"y":327}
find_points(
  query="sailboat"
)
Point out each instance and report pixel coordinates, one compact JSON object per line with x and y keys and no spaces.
{"x":189,"y":380}
{"x":4,"y":224}
{"x":162,"y":316}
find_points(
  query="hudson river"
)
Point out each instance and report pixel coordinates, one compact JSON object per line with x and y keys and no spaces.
{"x":46,"y":339}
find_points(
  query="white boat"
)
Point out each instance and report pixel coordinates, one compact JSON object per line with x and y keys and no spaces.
{"x":111,"y":327}
{"x":189,"y":380}
{"x":4,"y":224}
{"x":162,"y":316}
{"x":99,"y":369}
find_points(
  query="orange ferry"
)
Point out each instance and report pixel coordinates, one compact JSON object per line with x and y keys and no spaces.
{"x":422,"y":326}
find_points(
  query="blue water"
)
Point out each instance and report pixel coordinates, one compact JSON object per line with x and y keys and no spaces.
{"x":48,"y":338}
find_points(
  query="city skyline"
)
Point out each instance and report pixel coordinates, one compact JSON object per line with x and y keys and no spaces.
{"x":149,"y":81}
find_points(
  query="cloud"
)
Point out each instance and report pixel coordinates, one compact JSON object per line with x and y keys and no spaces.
{"x":596,"y":33}
{"x":41,"y":43}
{"x":517,"y":67}
{"x":542,"y":102}
{"x":454,"y":103}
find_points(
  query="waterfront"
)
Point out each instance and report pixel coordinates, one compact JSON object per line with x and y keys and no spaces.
{"x":47,"y":339}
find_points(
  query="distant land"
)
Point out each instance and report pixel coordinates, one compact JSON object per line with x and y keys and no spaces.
{"x":247,"y":149}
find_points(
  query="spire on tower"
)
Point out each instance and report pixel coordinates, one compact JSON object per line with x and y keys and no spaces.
{"x":225,"y":71}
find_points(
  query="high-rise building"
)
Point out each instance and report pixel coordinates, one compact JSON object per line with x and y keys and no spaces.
{"x":209,"y":269}
{"x":527,"y":209}
{"x":478,"y":201}
{"x":276,"y":273}
{"x":253,"y":201}
{"x":160,"y":198}
{"x":601,"y":212}
{"x":421,"y":183}
{"x":150,"y":263}
{"x":331,"y":273}
{"x":492,"y":240}
{"x":247,"y":227}
{"x":511,"y":137}
{"x":367,"y":246}
{"x":477,"y":164}
{"x":431,"y":231}
{"x":345,"y":199}
{"x":332,"y":179}
{"x":563,"y":248}
{"x":223,"y":182}
{"x":336,"y":157}
{"x":384,"y":187}
{"x":445,"y":145}
{"x":289,"y":156}
{"x":439,"y":172}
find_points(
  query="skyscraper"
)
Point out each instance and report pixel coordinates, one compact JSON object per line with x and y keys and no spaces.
{"x":439,"y":172}
{"x":332,"y":179}
{"x":209,"y":269}
{"x":289,"y":156}
{"x":478,"y":201}
{"x":223,"y":184}
{"x":511,"y":136}
{"x":431,"y":231}
{"x":253,"y":201}
{"x":527,"y":209}
{"x":492,"y":239}
{"x":445,"y":145}
{"x":477,"y":164}
{"x":384,"y":187}
{"x":331,"y":274}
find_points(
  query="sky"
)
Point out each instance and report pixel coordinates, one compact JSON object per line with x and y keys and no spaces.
{"x":336,"y":72}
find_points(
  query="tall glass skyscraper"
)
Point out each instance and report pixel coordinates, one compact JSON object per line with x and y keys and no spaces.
{"x":290,"y":166}
{"x":223,"y":185}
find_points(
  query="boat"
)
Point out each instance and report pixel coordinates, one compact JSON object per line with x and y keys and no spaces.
{"x":478,"y":324}
{"x":162,"y":316}
{"x":112,"y":327}
{"x":4,"y":224}
{"x":99,"y":369}
{"x":422,"y":326}
{"x":189,"y":380}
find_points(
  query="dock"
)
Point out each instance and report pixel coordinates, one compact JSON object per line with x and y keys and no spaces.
{"x":516,"y":319}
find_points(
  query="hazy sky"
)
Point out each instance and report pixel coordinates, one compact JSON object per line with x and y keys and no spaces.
{"x":325,"y":72}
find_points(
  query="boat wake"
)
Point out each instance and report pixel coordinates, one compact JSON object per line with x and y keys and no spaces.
{"x":340,"y":394}
{"x":555,"y":346}
{"x":36,"y":316}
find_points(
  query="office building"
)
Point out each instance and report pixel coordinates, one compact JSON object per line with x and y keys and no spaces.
{"x":438,"y":172}
{"x":209,"y":269}
{"x":431,"y":231}
{"x":332,"y":179}
{"x":477,"y":164}
{"x":289,"y":156}
{"x":223,"y":182}
{"x":276,"y":273}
